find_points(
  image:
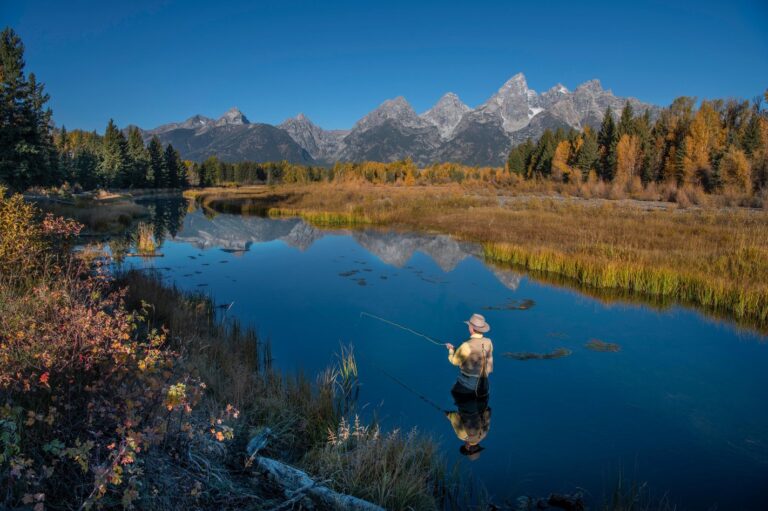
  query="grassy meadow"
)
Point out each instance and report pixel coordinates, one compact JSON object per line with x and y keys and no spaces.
{"x":711,"y":256}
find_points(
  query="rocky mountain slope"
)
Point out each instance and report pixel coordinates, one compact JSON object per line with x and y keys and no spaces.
{"x":449,"y":131}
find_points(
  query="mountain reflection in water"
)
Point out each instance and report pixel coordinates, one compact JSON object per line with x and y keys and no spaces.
{"x":583,"y":390}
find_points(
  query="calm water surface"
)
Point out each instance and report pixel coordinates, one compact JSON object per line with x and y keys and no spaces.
{"x":682,"y":405}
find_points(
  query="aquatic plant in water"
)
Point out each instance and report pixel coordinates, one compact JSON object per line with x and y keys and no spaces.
{"x":526,"y":355}
{"x":598,"y":345}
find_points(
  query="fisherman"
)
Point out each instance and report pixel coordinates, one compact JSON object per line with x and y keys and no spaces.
{"x":471,"y":423}
{"x":475,"y":360}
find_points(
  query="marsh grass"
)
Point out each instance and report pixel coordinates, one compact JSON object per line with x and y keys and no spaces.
{"x":396,"y":470}
{"x":710,"y":257}
{"x":145,"y":239}
{"x":99,"y":216}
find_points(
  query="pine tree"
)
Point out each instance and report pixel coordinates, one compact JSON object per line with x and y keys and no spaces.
{"x":750,"y":140}
{"x":85,"y":168}
{"x":158,"y":175}
{"x":27,"y":153}
{"x":520,"y":157}
{"x":607,"y":139}
{"x":541,"y":160}
{"x":113,"y":167}
{"x":138,"y":159}
{"x":174,"y":167}
{"x":588,"y":153}
{"x":626,"y":121}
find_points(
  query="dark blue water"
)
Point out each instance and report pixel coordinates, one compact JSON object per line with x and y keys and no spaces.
{"x":682,"y":405}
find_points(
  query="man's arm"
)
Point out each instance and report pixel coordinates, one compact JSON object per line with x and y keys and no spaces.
{"x":457,"y":357}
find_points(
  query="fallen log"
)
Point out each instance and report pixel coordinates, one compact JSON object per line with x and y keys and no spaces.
{"x":296,"y":484}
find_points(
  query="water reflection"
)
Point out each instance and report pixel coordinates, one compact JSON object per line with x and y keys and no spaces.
{"x":681,"y":399}
{"x":166,"y":218}
{"x":471,"y":422}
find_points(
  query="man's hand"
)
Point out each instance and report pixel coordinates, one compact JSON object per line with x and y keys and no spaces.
{"x":449,"y":346}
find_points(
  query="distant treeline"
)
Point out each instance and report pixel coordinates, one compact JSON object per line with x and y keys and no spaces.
{"x":116,"y":161}
{"x":722,"y":144}
{"x":214,"y":172}
{"x":32,"y":153}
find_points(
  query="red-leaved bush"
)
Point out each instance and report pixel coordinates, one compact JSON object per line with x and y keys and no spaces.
{"x":86,"y":386}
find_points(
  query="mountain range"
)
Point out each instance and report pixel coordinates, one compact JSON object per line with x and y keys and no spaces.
{"x":449,"y":131}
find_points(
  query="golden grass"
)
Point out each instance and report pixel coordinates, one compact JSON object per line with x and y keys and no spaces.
{"x":99,"y":216}
{"x":145,"y":239}
{"x":715,"y":258}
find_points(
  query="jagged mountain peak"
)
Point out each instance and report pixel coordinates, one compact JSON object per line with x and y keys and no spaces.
{"x":396,"y":109}
{"x":559,"y":89}
{"x":591,"y":85}
{"x":517,"y":83}
{"x":448,"y":131}
{"x":514,"y":103}
{"x":446,"y":113}
{"x":232,"y":116}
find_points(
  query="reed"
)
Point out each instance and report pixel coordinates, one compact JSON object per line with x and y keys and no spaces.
{"x":145,"y":239}
{"x":325,"y":218}
{"x":713,"y":293}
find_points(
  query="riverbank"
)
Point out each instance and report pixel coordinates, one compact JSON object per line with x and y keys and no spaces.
{"x":100,"y":212}
{"x":715,"y":258}
{"x":128,"y":393}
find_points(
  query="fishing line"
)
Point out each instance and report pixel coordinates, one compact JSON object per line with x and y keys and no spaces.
{"x":405,"y":386}
{"x":414,"y":332}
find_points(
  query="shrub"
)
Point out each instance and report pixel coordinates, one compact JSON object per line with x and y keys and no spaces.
{"x":87,"y":387}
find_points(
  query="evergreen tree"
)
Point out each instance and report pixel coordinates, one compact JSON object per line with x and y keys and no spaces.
{"x":209,"y":171}
{"x":113,"y":167}
{"x":750,"y":141}
{"x":138,"y":158}
{"x":27,"y":154}
{"x":626,"y":121}
{"x":65,"y":164}
{"x":157,"y":164}
{"x":607,"y":139}
{"x":541,"y":161}
{"x":520,"y":158}
{"x":588,"y":153}
{"x":174,"y":167}
{"x":85,"y":167}
{"x":642,"y":130}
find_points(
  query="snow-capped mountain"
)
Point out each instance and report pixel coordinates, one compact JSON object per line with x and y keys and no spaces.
{"x":449,"y":131}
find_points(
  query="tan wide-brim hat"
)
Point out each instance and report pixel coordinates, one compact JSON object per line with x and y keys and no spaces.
{"x":477,"y":322}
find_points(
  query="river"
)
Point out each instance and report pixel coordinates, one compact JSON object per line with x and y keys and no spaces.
{"x":680,"y":406}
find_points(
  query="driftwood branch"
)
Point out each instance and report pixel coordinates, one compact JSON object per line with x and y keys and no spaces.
{"x":296,"y":485}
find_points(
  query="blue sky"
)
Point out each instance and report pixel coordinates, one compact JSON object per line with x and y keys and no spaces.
{"x":147,"y":63}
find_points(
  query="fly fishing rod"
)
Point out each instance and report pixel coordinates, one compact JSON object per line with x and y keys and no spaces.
{"x":405,"y":386}
{"x":403,"y":327}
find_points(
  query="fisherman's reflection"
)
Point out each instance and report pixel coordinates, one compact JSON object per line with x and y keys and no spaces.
{"x":471,"y":422}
